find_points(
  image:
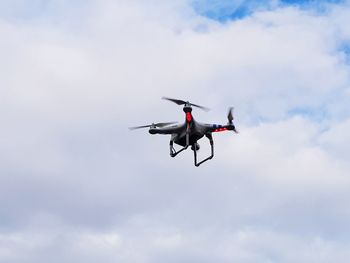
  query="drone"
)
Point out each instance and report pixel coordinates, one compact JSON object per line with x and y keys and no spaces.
{"x":188,"y":133}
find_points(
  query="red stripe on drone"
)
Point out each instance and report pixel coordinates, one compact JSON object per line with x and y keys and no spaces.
{"x":188,"y":117}
{"x":220,"y":129}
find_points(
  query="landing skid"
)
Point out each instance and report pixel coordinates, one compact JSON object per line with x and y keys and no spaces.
{"x":173,"y":152}
{"x":210,"y":138}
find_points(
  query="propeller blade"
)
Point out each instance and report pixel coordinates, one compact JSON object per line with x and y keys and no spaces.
{"x":159,"y":124}
{"x":182,"y":102}
{"x":139,"y":127}
{"x":230,"y":115}
{"x":178,"y":102}
{"x":201,"y":107}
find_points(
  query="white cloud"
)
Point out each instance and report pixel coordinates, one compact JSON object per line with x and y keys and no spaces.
{"x":76,"y":185}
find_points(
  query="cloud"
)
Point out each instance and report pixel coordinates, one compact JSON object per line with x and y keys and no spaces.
{"x":76,"y":185}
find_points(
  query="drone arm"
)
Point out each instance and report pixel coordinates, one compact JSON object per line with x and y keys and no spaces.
{"x":166,"y":130}
{"x":221,"y":128}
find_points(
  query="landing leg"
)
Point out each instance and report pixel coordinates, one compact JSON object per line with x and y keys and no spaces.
{"x":173,"y":152}
{"x":172,"y":149}
{"x":210,"y":138}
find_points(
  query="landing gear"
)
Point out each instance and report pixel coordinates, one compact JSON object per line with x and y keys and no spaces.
{"x":173,"y":152}
{"x":195,"y":148}
{"x":210,"y":138}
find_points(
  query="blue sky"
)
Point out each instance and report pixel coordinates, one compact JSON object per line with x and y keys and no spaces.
{"x":224,"y":10}
{"x":227,"y":11}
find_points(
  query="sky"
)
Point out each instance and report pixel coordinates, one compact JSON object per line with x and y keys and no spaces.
{"x":77,"y":186}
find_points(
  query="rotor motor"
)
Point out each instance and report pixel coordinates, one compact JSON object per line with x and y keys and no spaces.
{"x":187,"y":108}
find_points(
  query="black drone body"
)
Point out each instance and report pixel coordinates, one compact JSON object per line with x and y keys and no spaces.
{"x":188,"y":133}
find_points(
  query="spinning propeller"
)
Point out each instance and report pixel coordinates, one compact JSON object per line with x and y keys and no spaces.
{"x":159,"y":124}
{"x":230,"y":119}
{"x":230,"y":115}
{"x":182,"y":102}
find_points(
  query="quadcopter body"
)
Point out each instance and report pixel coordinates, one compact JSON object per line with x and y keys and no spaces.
{"x":188,"y":133}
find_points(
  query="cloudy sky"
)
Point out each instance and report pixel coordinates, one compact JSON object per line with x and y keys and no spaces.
{"x":77,"y":186}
